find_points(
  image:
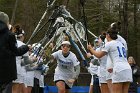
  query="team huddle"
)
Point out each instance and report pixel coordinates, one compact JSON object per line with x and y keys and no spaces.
{"x":108,"y":62}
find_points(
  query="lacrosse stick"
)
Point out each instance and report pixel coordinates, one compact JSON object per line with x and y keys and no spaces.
{"x":77,"y":48}
{"x":49,"y":5}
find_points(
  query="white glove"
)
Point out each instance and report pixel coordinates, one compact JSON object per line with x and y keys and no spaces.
{"x":93,"y":70}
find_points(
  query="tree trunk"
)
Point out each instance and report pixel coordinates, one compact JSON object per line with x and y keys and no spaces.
{"x":125,"y":20}
{"x":120,"y":11}
{"x":14,"y":12}
{"x":135,"y":31}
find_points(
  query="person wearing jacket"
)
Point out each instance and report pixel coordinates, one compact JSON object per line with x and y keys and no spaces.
{"x":8,"y":53}
{"x":136,"y":74}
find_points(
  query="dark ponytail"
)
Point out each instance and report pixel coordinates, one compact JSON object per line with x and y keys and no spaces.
{"x":116,"y":26}
{"x":18,"y":31}
{"x":103,"y":36}
{"x":114,"y":30}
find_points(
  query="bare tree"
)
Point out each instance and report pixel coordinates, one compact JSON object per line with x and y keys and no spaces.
{"x":125,"y":19}
{"x":135,"y":29}
{"x":14,"y":12}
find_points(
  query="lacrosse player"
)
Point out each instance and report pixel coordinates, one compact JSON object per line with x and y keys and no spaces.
{"x":122,"y":73}
{"x":67,"y":69}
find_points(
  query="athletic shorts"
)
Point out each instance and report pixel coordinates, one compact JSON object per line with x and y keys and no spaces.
{"x":108,"y":75}
{"x":122,"y":76}
{"x":102,"y":80}
{"x":29,"y":79}
{"x":66,"y":86}
{"x":20,"y":79}
{"x":63,"y":77}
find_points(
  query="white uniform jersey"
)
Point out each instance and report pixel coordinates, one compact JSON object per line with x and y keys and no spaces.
{"x":122,"y":40}
{"x":117,"y":53}
{"x":102,"y":71}
{"x":28,"y":77}
{"x":20,"y":43}
{"x":19,"y":58}
{"x":38,"y":74}
{"x":21,"y":72}
{"x":41,"y":81}
{"x":102,"y":63}
{"x":93,"y":69}
{"x":117,"y":60}
{"x":65,"y":66}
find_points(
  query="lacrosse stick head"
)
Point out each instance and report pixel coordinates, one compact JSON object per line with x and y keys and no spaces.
{"x":81,"y":31}
{"x":56,"y":13}
{"x":35,"y":46}
{"x":35,"y":49}
{"x":64,"y":12}
{"x":50,"y":3}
